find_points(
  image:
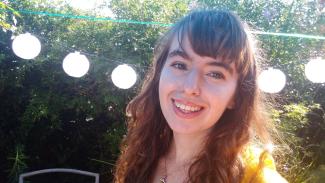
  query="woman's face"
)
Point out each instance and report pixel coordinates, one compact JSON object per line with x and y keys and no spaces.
{"x":194,"y":91}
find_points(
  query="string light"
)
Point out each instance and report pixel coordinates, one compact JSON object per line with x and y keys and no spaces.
{"x":92,"y":18}
{"x":271,"y":80}
{"x":314,"y":70}
{"x":289,"y":35}
{"x":26,"y":46}
{"x":75,"y":64}
{"x":123,"y":76}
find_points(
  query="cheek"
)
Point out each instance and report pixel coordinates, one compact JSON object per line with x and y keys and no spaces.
{"x":167,"y":81}
{"x":221,"y":95}
{"x":164,"y":82}
{"x":166,"y":75}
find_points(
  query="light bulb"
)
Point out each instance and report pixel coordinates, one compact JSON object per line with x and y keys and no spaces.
{"x":123,"y":76}
{"x":75,"y":64}
{"x":271,"y":80}
{"x":26,"y":46}
{"x":315,"y":70}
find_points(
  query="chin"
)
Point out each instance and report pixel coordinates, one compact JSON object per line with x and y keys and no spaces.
{"x":185,"y":129}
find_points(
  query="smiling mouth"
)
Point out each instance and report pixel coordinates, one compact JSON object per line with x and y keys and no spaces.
{"x":185,"y":108}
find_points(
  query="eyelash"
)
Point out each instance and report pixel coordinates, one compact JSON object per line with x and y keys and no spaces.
{"x":182,"y":66}
{"x":216,"y":75}
{"x":179,"y":66}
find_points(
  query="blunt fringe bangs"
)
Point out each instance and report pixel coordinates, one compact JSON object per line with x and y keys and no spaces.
{"x":216,"y":34}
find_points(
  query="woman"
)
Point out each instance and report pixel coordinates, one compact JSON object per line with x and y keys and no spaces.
{"x":199,"y":109}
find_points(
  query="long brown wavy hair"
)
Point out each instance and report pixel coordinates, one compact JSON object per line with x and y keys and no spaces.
{"x":214,"y":34}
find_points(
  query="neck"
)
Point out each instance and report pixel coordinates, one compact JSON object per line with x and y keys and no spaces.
{"x":185,"y":147}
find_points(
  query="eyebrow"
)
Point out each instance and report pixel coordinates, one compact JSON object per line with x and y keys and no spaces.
{"x":183,"y":54}
{"x":223,"y":65}
{"x":179,"y":52}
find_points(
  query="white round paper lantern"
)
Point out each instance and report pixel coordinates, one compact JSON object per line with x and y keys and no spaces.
{"x":26,"y":46}
{"x":75,"y":64}
{"x":124,"y":77}
{"x":315,"y":70}
{"x":271,"y":80}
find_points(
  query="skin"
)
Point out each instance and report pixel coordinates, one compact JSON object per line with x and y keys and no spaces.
{"x":198,"y":82}
{"x":194,"y":91}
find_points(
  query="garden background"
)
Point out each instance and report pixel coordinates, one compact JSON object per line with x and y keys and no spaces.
{"x":49,"y":119}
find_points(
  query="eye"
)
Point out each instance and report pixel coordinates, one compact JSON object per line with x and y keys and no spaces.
{"x":216,"y":75}
{"x":179,"y":65}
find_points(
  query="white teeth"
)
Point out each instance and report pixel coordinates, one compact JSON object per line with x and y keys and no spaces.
{"x":187,"y":108}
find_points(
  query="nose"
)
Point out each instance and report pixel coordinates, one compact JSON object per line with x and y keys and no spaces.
{"x":192,"y":83}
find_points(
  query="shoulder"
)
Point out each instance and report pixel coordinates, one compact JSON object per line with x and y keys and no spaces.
{"x":259,"y":167}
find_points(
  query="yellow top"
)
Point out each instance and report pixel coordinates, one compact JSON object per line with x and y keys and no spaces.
{"x":259,"y":167}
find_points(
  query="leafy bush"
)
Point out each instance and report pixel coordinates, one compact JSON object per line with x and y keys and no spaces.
{"x":303,"y":132}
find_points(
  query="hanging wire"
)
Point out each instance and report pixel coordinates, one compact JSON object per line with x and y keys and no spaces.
{"x":93,"y":18}
{"x":289,"y":35}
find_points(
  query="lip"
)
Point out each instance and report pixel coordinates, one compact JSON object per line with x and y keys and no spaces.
{"x":182,"y":114}
{"x":186,"y":103}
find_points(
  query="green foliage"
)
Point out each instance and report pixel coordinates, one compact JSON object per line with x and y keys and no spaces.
{"x":288,"y":121}
{"x":303,"y":130}
{"x":138,"y":41}
{"x":17,"y":160}
{"x":59,"y":121}
{"x":317,"y":175}
{"x":62,"y":121}
{"x":113,"y":138}
{"x":313,"y":134}
{"x":5,"y":13}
